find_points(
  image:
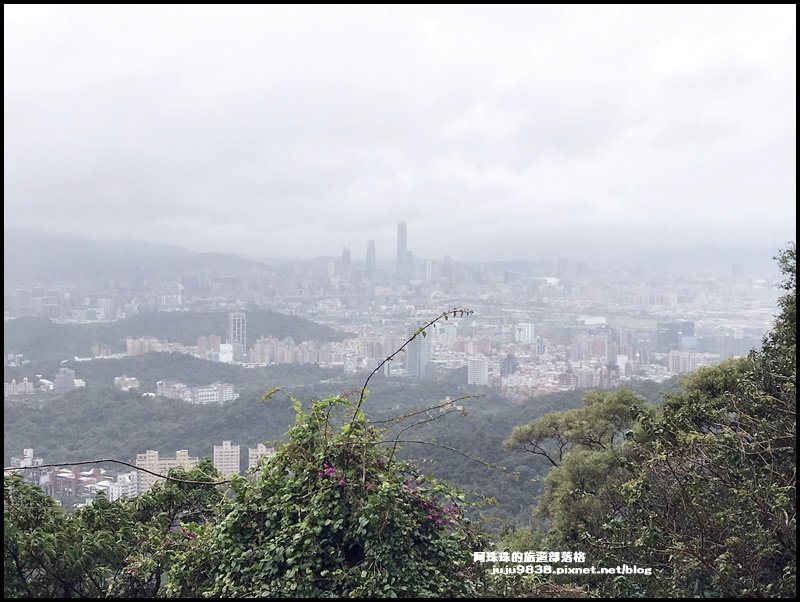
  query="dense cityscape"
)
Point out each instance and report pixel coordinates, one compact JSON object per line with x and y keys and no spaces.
{"x":536,"y":327}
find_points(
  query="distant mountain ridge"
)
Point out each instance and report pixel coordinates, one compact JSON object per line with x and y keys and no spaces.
{"x":30,"y":256}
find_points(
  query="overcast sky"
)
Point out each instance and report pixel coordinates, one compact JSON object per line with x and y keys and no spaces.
{"x":495,"y":132}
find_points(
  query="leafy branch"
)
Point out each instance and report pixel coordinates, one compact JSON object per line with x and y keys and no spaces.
{"x":446,"y":315}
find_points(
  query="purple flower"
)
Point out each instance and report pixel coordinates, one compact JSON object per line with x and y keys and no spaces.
{"x":341,"y":481}
{"x":328,"y":472}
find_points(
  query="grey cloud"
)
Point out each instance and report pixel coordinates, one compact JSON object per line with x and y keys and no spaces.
{"x":495,"y":132}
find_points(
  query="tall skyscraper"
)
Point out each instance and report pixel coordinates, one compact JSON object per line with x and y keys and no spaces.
{"x":408,"y":266}
{"x":418,"y":354}
{"x":402,"y":248}
{"x":345,"y":266}
{"x":237,"y":333}
{"x":371,"y":260}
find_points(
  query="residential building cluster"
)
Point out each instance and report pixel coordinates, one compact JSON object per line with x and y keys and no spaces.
{"x":13,"y":360}
{"x":64,"y":382}
{"x":24,"y":387}
{"x":76,"y":486}
{"x":70,"y":486}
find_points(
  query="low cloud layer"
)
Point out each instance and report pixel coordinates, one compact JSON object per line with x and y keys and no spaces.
{"x":494,"y":132}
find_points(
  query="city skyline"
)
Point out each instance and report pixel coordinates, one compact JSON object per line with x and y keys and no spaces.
{"x":38,"y":241}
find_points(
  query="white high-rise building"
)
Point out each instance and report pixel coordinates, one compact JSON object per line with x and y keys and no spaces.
{"x":150,"y":461}
{"x":681,"y":362}
{"x":226,"y":458}
{"x":478,"y":371}
{"x":127,"y":484}
{"x":523,"y":332}
{"x":418,"y":353}
{"x":258,"y":452}
{"x":123,"y":486}
{"x":623,"y":361}
{"x":106,"y":307}
{"x":226,"y":353}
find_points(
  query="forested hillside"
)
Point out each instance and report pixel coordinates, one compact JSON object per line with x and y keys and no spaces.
{"x":41,"y":340}
{"x":101,"y":421}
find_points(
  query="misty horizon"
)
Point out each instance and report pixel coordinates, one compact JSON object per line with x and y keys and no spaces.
{"x":721,"y":258}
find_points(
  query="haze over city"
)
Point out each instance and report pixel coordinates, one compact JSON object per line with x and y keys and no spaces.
{"x":494,"y":132}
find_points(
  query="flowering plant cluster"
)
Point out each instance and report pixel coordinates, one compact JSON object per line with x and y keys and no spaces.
{"x":382,"y":530}
{"x":329,"y":472}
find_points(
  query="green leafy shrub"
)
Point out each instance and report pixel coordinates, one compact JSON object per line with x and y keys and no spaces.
{"x":332,"y":515}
